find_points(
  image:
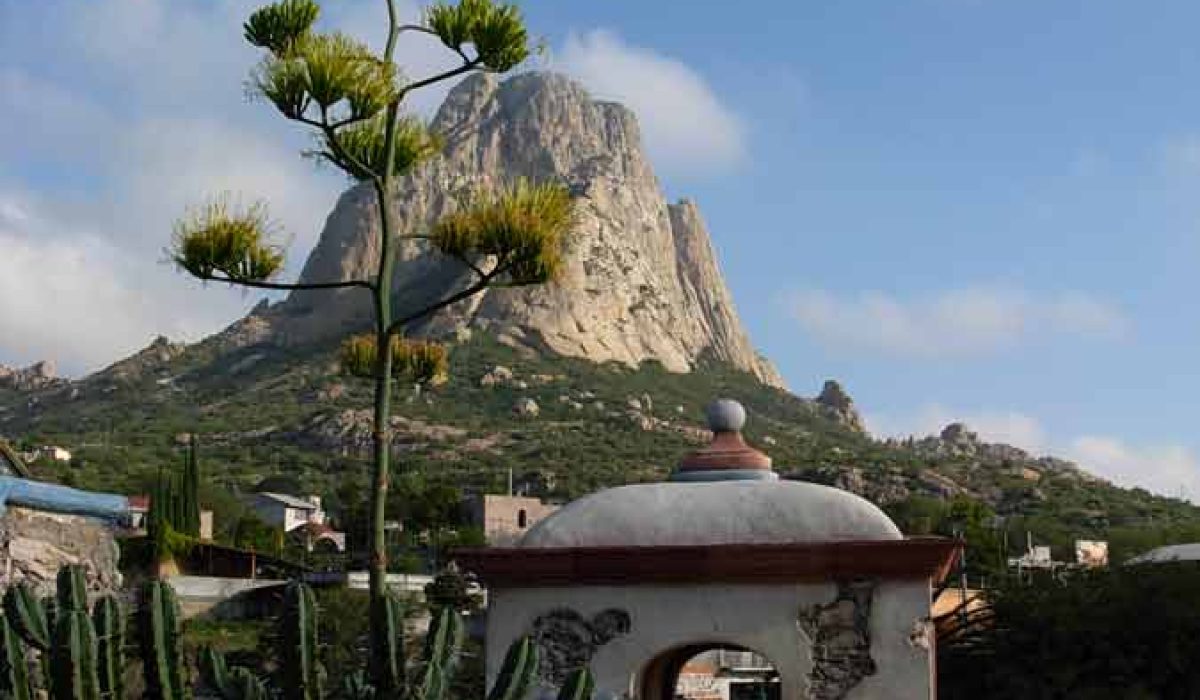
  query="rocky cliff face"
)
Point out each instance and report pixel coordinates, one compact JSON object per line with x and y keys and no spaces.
{"x":641,"y":280}
{"x":36,"y":376}
{"x":35,"y":544}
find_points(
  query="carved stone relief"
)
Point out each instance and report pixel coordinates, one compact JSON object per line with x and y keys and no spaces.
{"x":567,"y":640}
{"x":840,"y":634}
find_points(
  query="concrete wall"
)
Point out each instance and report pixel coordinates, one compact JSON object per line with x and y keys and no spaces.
{"x":200,"y":594}
{"x":767,"y":619}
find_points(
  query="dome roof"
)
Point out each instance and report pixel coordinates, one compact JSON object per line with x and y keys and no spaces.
{"x":713,"y":513}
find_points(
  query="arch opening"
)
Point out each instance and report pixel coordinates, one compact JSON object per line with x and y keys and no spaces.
{"x":710,"y":671}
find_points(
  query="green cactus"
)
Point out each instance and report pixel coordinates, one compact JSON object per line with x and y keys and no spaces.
{"x":235,"y":684}
{"x":72,"y":589}
{"x":298,"y":643}
{"x":442,"y":646}
{"x":159,"y":629}
{"x":579,"y":685}
{"x":388,"y":661}
{"x":247,"y":686}
{"x":73,"y":657}
{"x":50,"y":605}
{"x":14,"y":674}
{"x":27,"y":616}
{"x":356,"y":686}
{"x":517,"y":673}
{"x":109,"y":621}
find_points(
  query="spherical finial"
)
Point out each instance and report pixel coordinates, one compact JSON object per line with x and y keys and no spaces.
{"x":725,"y":416}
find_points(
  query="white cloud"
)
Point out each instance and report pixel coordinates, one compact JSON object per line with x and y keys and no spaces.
{"x":1168,"y":469}
{"x":1181,"y":154}
{"x":74,"y":297}
{"x":686,"y":127}
{"x":1007,"y":427}
{"x":954,"y":323}
{"x":134,"y":111}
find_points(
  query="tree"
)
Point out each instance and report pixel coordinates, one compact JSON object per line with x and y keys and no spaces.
{"x":1125,"y":632}
{"x":352,"y":99}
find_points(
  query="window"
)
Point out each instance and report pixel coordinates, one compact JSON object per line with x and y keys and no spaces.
{"x":522,"y":519}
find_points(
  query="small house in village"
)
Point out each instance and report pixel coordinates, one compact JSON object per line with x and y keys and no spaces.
{"x":291,"y":513}
{"x":504,"y":519}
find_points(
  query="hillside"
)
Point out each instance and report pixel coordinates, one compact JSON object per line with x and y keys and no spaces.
{"x":597,"y":379}
{"x":271,"y":411}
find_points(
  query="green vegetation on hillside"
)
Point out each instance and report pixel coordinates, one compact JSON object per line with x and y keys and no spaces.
{"x":259,"y":413}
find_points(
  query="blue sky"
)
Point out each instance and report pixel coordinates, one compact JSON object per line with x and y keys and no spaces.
{"x":963,"y":209}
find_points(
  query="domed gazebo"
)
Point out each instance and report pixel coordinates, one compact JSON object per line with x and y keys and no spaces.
{"x":635,"y":580}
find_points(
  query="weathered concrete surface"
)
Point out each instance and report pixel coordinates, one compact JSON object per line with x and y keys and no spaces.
{"x":200,"y":594}
{"x":35,"y":544}
{"x":762,"y":618}
{"x":725,"y":512}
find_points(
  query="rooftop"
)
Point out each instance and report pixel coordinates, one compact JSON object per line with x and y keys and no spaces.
{"x":289,"y":501}
{"x":723,"y":494}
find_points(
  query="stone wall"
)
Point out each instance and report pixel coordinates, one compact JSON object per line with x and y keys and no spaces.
{"x":34,"y":544}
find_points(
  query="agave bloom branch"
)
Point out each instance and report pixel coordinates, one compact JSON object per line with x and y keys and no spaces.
{"x":352,"y":100}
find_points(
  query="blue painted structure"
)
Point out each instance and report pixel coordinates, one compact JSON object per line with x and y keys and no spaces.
{"x":38,"y":495}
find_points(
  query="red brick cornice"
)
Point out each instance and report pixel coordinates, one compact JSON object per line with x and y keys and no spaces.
{"x":515,"y":567}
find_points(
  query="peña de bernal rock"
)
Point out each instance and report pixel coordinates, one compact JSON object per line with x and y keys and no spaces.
{"x":641,"y":281}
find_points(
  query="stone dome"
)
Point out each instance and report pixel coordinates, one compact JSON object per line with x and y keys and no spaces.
{"x":711,"y":513}
{"x":724,"y":493}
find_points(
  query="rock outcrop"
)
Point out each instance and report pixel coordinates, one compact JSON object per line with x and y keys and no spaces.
{"x":34,"y":545}
{"x":641,"y":280}
{"x":835,"y":403}
{"x":36,"y":376}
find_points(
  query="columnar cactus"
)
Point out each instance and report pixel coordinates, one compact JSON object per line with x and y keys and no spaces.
{"x":298,"y":639}
{"x":27,"y":616}
{"x":356,"y":686}
{"x":73,"y":658}
{"x":388,"y":659}
{"x":109,"y":620}
{"x":159,"y":628}
{"x":442,"y":646}
{"x":14,"y":674}
{"x":235,"y":684}
{"x":73,"y":673}
{"x":517,"y":673}
{"x":579,"y":685}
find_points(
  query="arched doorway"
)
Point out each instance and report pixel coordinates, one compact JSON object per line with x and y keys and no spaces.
{"x":710,"y":671}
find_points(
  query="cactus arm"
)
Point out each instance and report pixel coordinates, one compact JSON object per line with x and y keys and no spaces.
{"x":14,"y":674}
{"x":72,"y":589}
{"x":299,"y":643}
{"x":247,"y":686}
{"x":442,"y":645}
{"x":73,"y":658}
{"x":579,"y":685}
{"x":27,"y":616}
{"x":109,"y":620}
{"x":159,"y":629}
{"x":517,"y":673}
{"x":61,"y":499}
{"x":387,"y":663}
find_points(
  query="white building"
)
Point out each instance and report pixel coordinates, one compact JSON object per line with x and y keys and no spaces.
{"x":287,"y":512}
{"x":292,"y":514}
